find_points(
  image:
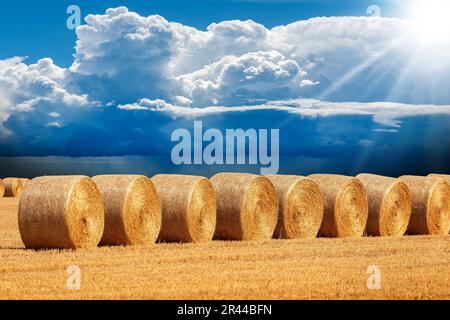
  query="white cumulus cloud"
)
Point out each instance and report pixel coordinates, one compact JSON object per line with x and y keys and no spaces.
{"x":235,"y":79}
{"x":321,"y":67}
{"x":23,"y":87}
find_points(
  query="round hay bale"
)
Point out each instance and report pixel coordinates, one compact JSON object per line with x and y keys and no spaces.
{"x":13,"y":187}
{"x":389,"y":205}
{"x":247,"y":206}
{"x":188,"y":208}
{"x":300,"y":207}
{"x":24,"y":181}
{"x":2,"y":188}
{"x":430,"y":205}
{"x":132,"y":209}
{"x":64,"y":212}
{"x":345,"y":205}
{"x":435,"y":175}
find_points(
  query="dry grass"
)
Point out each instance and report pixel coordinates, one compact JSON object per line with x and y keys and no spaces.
{"x":412,"y":267}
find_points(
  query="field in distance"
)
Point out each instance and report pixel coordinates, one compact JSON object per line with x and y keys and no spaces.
{"x":411,"y":268}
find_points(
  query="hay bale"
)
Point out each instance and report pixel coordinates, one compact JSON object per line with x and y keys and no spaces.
{"x":300,"y":207}
{"x":436,"y":175}
{"x":63,"y":212}
{"x":345,"y":205}
{"x":247,"y":206}
{"x":2,"y":188}
{"x":132,"y":209}
{"x":188,"y":208}
{"x":430,"y":205}
{"x":389,"y":205}
{"x":24,"y":181}
{"x":13,"y":187}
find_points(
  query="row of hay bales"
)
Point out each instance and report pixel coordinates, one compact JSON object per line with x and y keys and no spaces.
{"x":12,"y":187}
{"x":80,"y":212}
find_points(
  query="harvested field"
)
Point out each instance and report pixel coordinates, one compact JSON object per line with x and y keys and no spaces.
{"x":412,"y":268}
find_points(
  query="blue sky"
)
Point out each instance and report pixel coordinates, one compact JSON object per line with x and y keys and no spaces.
{"x":37,"y":29}
{"x":349,"y":92}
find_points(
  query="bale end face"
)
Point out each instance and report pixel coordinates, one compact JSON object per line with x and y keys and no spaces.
{"x":189,"y":208}
{"x":85,"y":215}
{"x":389,"y":205}
{"x":346,"y":207}
{"x":132,"y":209}
{"x":259,"y":210}
{"x":303,"y":210}
{"x":395,"y":211}
{"x":202,"y":208}
{"x":351,"y":209}
{"x":142,"y":213}
{"x":430,"y":205}
{"x":247,"y":206}
{"x":300,"y":207}
{"x":438,"y":217}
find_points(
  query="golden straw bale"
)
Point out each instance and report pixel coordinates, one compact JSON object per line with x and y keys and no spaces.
{"x":346,"y":207}
{"x":389,"y":205}
{"x":13,"y":187}
{"x":61,"y":212}
{"x":430,"y":205}
{"x":436,"y":175}
{"x":188,"y":208}
{"x":247,"y":206}
{"x":132,"y":209}
{"x":2,"y":188}
{"x":24,"y":181}
{"x":300,"y":207}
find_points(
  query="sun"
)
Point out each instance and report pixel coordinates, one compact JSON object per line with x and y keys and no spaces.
{"x":431,"y":20}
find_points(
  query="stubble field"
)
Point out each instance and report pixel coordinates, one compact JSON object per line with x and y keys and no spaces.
{"x":411,"y":268}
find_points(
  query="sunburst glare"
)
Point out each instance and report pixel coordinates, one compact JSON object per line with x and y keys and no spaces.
{"x":431,"y":21}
